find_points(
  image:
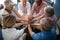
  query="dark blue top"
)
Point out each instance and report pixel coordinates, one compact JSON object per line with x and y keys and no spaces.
{"x":51,"y":35}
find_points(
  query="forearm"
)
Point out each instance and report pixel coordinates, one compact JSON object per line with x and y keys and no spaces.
{"x":37,"y":18}
{"x":18,"y":19}
{"x":30,"y":31}
{"x":37,"y":15}
{"x":18,"y":24}
{"x":21,"y":17}
{"x":16,"y":12}
{"x":36,"y":26}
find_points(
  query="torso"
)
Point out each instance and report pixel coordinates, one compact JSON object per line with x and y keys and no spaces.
{"x":24,"y":9}
{"x":38,"y":8}
{"x":10,"y":34}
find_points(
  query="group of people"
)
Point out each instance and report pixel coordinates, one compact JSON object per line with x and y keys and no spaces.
{"x":40,"y":17}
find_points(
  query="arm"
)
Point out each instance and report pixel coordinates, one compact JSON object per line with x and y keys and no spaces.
{"x":19,"y":24}
{"x":35,"y":36}
{"x":30,"y":30}
{"x":41,"y":11}
{"x":14,"y":10}
{"x":20,"y":32}
{"x":32,"y":10}
{"x":30,"y":17}
{"x":37,"y":26}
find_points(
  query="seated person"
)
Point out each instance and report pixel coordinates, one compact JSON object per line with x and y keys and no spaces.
{"x":9,"y":31}
{"x":49,"y":12}
{"x":47,"y":30}
{"x":9,"y":9}
{"x":37,"y":9}
{"x":24,"y":8}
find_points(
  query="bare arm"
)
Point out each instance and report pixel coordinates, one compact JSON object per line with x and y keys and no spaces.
{"x":19,"y":24}
{"x":16,"y":12}
{"x":30,"y":17}
{"x":37,"y":26}
{"x":30,"y":30}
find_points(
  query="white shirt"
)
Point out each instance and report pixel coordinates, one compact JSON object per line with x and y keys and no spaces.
{"x":24,"y":11}
{"x":12,"y":34}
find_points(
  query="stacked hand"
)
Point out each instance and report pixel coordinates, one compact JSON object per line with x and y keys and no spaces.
{"x":30,"y":18}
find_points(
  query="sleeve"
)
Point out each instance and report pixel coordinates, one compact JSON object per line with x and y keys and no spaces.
{"x":36,"y":36}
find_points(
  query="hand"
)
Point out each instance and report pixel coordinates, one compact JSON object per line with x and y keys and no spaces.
{"x":25,"y":27}
{"x":30,"y":18}
{"x":23,"y":18}
{"x":28,"y":25}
